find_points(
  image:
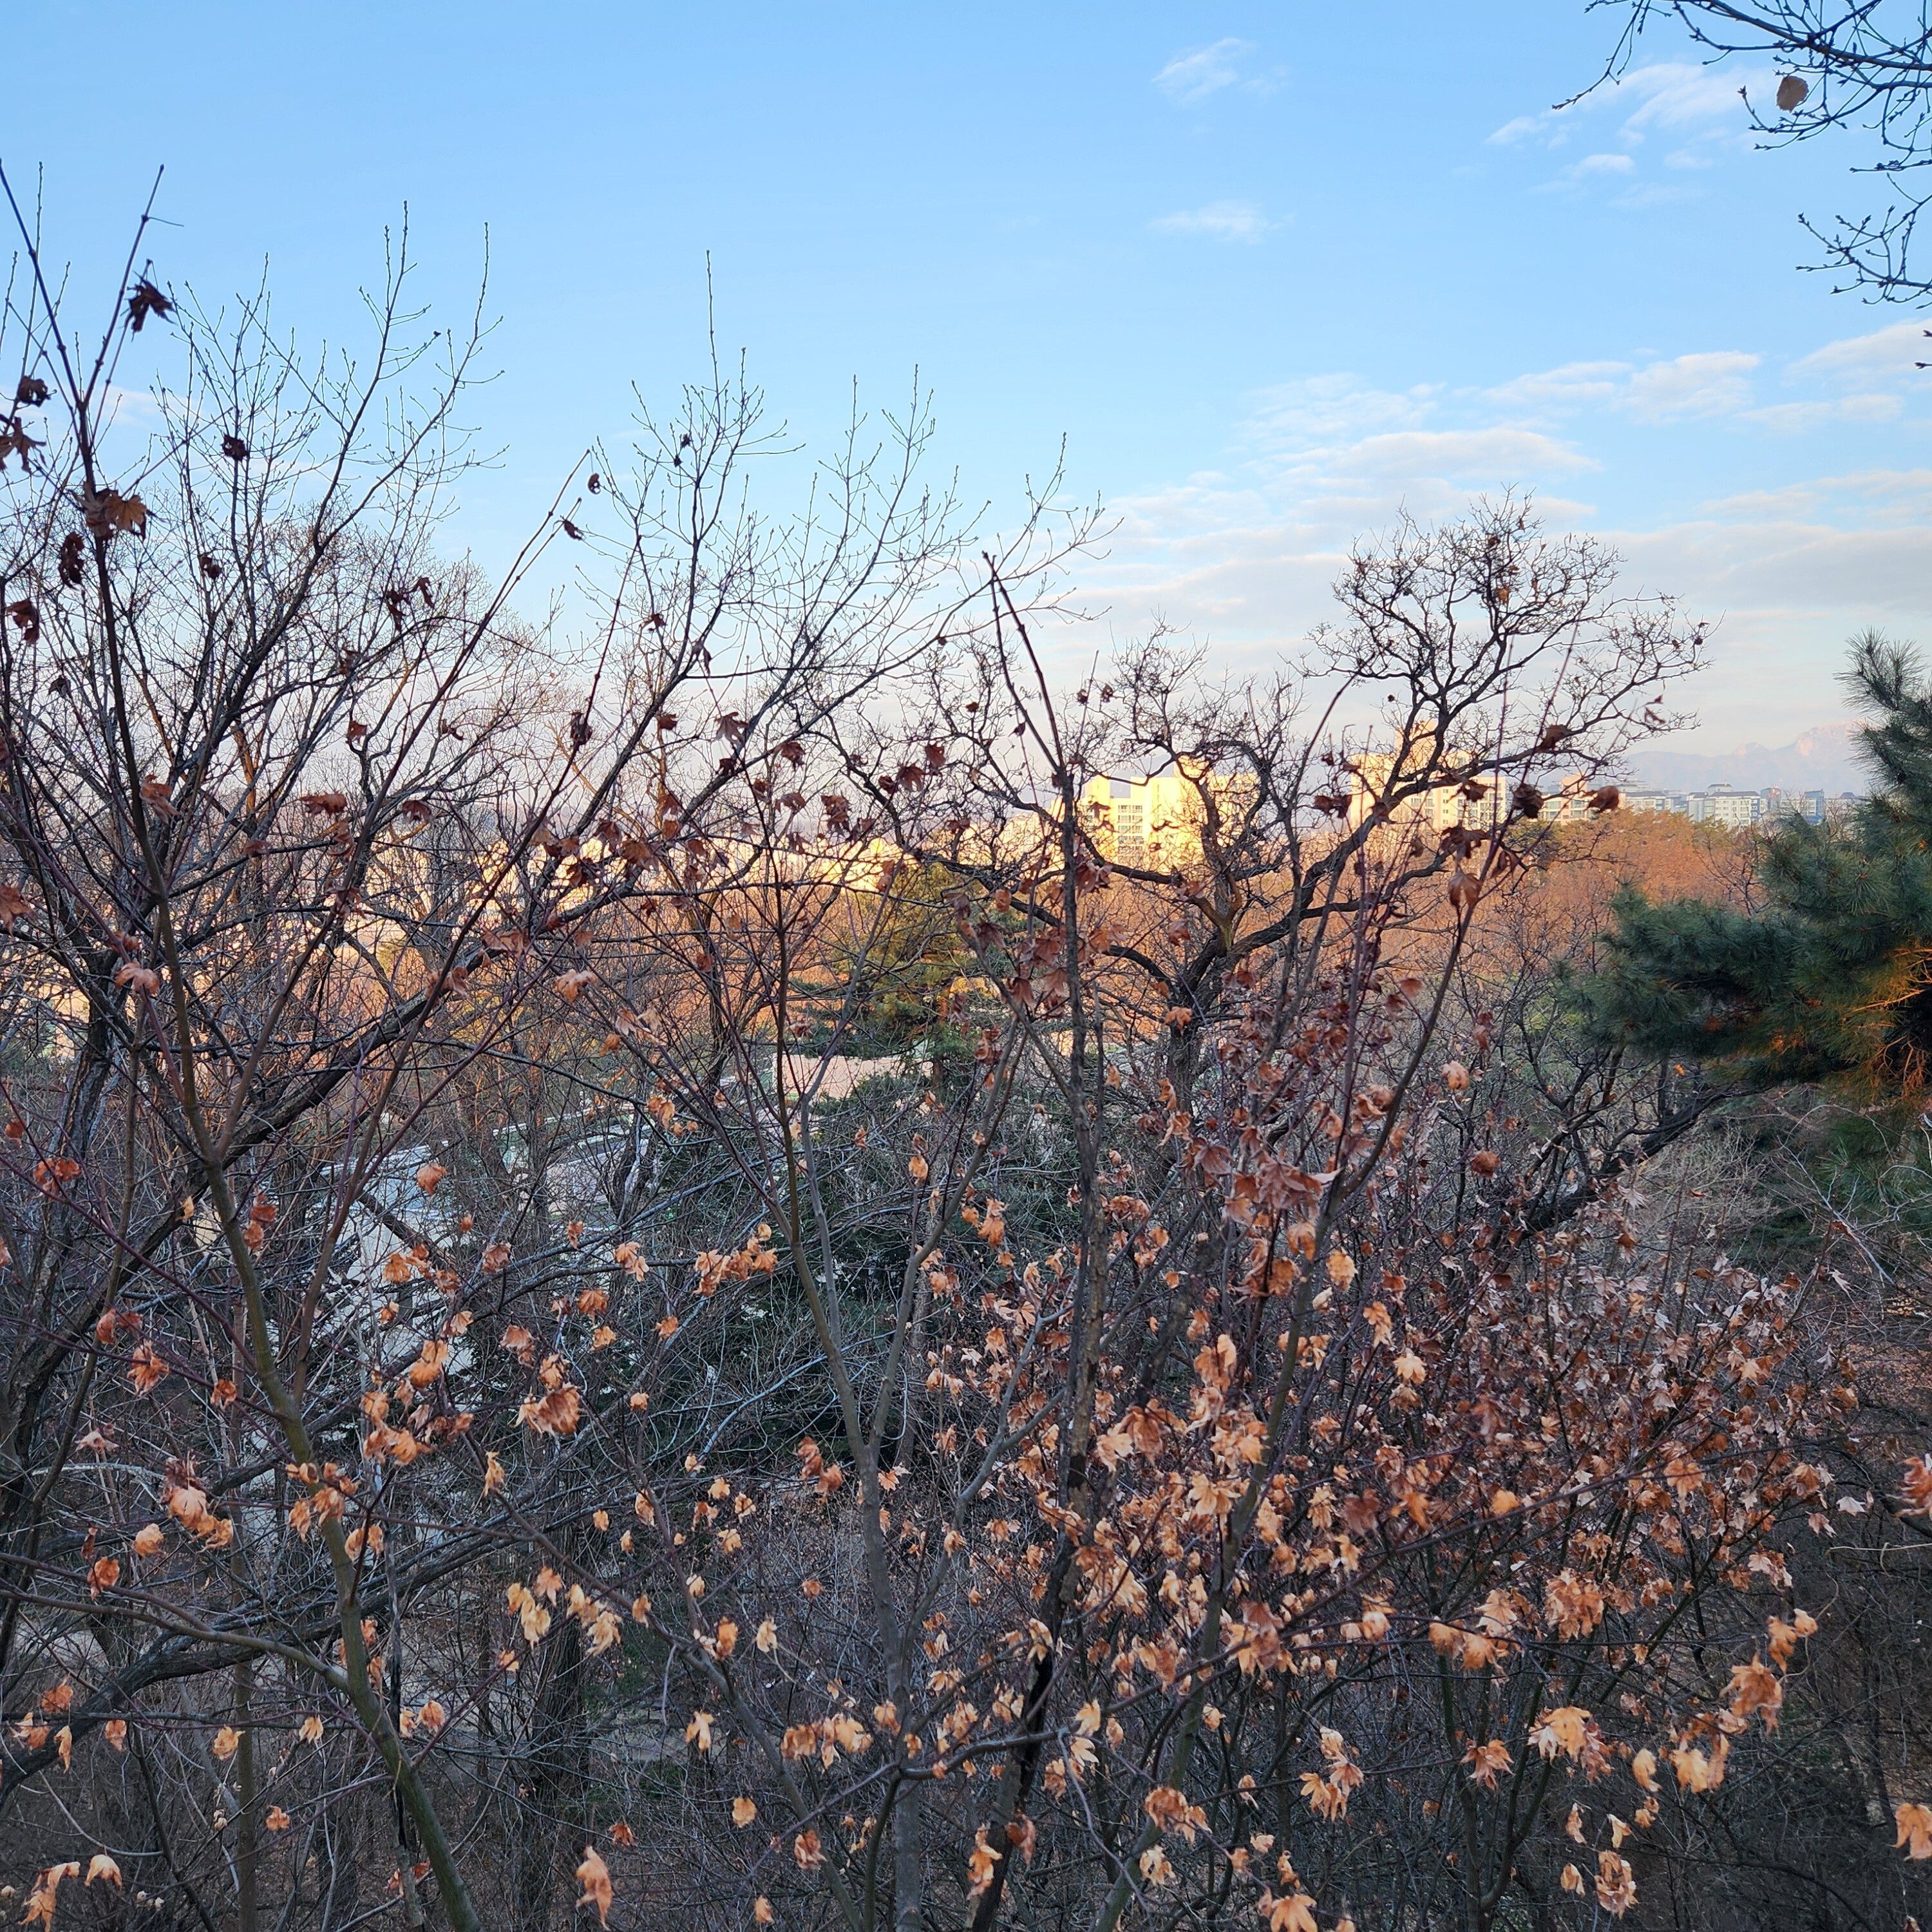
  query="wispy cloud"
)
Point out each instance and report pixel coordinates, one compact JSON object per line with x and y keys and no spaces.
{"x":1482,"y":458}
{"x":1520,"y":129}
{"x":1715,"y":383}
{"x":1819,"y":412}
{"x":1317,"y":410}
{"x":1675,"y":94}
{"x":1591,"y":168}
{"x":1194,"y":75}
{"x":1694,"y":107}
{"x":1334,"y":440}
{"x":1219,"y":220}
{"x":1245,"y":554}
{"x":1892,"y":352}
{"x":1680,"y":93}
{"x":1655,"y":194}
{"x":1574,"y":385}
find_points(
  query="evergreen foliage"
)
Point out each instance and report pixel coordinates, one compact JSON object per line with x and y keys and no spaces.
{"x":909,"y":972}
{"x":1827,"y":978}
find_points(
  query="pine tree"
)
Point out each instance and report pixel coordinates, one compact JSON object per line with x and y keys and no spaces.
{"x":1830,"y":978}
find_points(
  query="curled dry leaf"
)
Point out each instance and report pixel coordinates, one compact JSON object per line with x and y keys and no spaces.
{"x":110,"y":514}
{"x":146,"y":301}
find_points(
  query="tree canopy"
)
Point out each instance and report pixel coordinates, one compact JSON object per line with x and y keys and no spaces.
{"x":1826,"y":978}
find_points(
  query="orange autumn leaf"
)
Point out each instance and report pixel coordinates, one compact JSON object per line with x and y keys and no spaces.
{"x":594,"y":1875}
{"x":146,"y":1368}
{"x":1915,"y":1829}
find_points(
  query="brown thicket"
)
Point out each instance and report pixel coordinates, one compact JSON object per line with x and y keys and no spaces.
{"x":522,"y":1394}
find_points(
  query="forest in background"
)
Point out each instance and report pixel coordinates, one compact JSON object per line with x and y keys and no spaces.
{"x":643,"y":1277}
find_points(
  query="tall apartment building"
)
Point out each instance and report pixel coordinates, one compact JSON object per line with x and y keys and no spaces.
{"x":1156,"y":820}
{"x":1721,"y":805}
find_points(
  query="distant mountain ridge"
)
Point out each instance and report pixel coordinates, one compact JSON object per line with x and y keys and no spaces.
{"x":1823,"y":759}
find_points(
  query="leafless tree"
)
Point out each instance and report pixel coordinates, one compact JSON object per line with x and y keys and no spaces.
{"x":522,"y":1361}
{"x":1865,"y":66}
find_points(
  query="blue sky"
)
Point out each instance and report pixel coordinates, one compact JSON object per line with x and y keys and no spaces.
{"x":1273,"y":273}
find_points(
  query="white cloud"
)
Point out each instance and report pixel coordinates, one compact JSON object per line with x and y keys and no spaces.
{"x":1885,"y":352}
{"x":1682,"y":94}
{"x":1320,"y":409}
{"x":1783,"y":583}
{"x":1766,"y":568}
{"x":1243,"y":557}
{"x":1697,"y":108}
{"x":1871,"y":498}
{"x":1221,"y":221}
{"x":1815,"y":415}
{"x":1715,"y":383}
{"x":1193,"y":76}
{"x":1485,"y":457}
{"x":1675,"y":94}
{"x":1792,"y":499}
{"x":1591,"y":168}
{"x":1866,"y":498}
{"x":1571,"y":386}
